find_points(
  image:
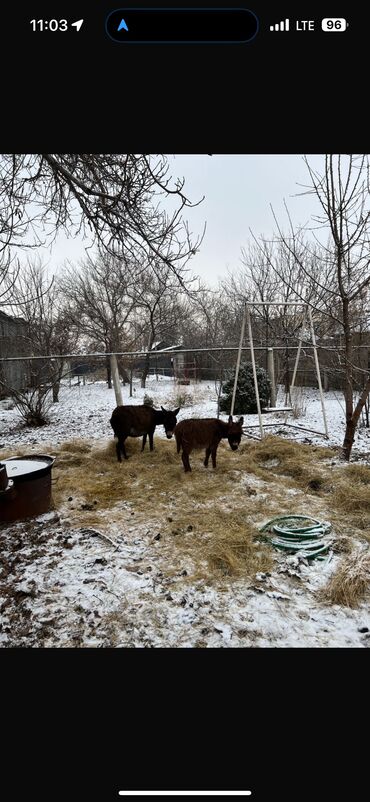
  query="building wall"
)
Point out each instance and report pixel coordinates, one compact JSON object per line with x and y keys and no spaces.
{"x":13,"y":342}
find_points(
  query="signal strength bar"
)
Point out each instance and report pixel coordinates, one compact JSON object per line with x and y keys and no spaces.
{"x":280,"y":26}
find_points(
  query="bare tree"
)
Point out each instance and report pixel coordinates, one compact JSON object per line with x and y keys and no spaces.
{"x":270,"y":272}
{"x":100,"y":301}
{"x":160,"y":308}
{"x":38,"y":299}
{"x":114,"y":200}
{"x":342,"y":285}
{"x":255,"y":281}
{"x":211,"y":320}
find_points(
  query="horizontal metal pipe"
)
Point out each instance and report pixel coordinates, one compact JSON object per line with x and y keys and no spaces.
{"x":138,"y":354}
{"x":291,"y":425}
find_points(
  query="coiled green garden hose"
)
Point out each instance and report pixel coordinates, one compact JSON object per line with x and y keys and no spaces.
{"x":293,"y":536}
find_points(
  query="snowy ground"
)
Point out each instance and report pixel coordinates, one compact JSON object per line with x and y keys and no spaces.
{"x":77,"y":590}
{"x":84,"y":412}
{"x":64,"y":585}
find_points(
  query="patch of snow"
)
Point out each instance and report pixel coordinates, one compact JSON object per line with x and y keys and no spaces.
{"x":62,"y":586}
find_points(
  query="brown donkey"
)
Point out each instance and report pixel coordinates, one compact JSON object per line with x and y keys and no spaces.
{"x":140,"y":421}
{"x":206,"y":433}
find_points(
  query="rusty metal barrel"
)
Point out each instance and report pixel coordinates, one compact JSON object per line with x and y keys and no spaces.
{"x":25,"y":486}
{"x":3,"y":477}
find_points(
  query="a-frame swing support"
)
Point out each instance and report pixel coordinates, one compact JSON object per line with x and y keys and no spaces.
{"x":247,"y":319}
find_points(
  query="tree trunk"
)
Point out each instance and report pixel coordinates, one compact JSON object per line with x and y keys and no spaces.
{"x":348,"y":384}
{"x":348,"y":439}
{"x":109,"y":374}
{"x":56,"y":388}
{"x":147,"y":360}
{"x":123,"y":371}
{"x":271,"y":375}
{"x":352,"y":423}
{"x":55,"y":375}
{"x":145,"y":371}
{"x":286,"y":373}
{"x":367,"y":413}
{"x":267,"y":343}
{"x":131,"y":374}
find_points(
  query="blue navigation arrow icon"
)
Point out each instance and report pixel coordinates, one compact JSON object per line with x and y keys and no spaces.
{"x":122,"y":25}
{"x":175,"y":25}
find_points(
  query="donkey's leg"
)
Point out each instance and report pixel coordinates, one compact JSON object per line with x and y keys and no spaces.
{"x":144,"y":441}
{"x":185,"y":459}
{"x":151,"y":434}
{"x":208,"y":451}
{"x":121,"y":448}
{"x":214,"y":452}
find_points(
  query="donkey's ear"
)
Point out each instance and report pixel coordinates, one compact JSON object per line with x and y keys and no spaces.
{"x":241,"y":421}
{"x":163,"y":409}
{"x":176,"y":411}
{"x":230,"y":418}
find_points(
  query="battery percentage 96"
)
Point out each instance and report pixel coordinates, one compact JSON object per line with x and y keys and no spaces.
{"x":334,"y":24}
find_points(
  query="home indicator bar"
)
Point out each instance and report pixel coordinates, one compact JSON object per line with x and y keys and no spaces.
{"x":182,"y":25}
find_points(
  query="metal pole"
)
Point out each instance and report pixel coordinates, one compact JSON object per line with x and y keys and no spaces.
{"x":131,"y":372}
{"x":318,"y":372}
{"x":254,"y":371}
{"x":271,"y":374}
{"x":238,"y":361}
{"x":141,"y":354}
{"x":292,"y":385}
{"x":290,"y":425}
{"x":116,"y":382}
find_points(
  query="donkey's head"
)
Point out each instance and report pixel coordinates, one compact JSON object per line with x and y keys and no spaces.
{"x":169,"y":420}
{"x":234,"y":434}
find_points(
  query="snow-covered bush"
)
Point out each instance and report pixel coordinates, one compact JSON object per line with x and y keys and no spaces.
{"x":245,"y":399}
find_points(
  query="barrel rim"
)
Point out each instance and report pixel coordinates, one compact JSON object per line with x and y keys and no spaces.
{"x":32,"y":474}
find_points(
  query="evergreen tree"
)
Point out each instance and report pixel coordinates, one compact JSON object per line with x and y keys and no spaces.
{"x":245,"y":399}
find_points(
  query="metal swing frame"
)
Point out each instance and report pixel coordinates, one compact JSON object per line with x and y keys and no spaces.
{"x":247,"y":319}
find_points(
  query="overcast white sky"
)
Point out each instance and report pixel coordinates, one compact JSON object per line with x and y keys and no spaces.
{"x":238,"y":191}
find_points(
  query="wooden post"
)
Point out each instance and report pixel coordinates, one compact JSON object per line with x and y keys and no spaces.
{"x":116,"y":381}
{"x":238,"y":362}
{"x":271,"y":375}
{"x":131,"y":372}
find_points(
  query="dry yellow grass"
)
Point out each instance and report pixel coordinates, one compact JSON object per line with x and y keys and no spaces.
{"x":211,"y":517}
{"x":146,"y":476}
{"x":200,"y":515}
{"x":358,"y":474}
{"x":351,"y":582}
{"x":224,"y":542}
{"x":279,"y":457}
{"x":232,"y":548}
{"x":351,"y":497}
